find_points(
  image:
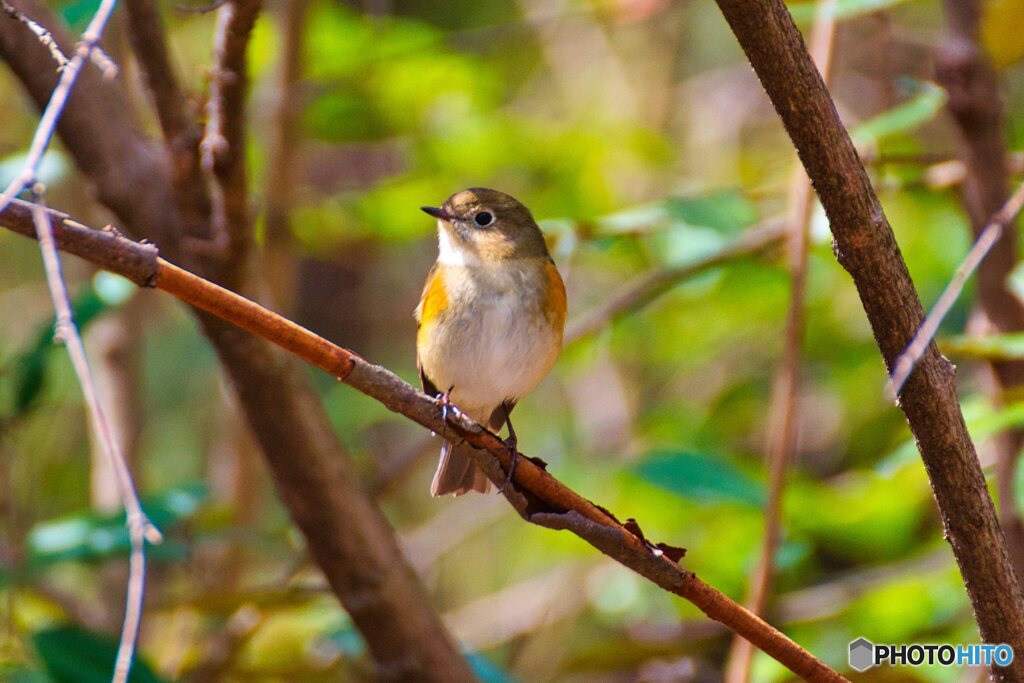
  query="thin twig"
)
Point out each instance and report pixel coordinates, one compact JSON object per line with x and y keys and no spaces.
{"x":783,"y":413}
{"x":181,"y":132}
{"x":646,"y":288}
{"x":45,"y":37}
{"x":904,"y":365}
{"x":563,"y":507}
{"x":148,"y":37}
{"x":104,"y":62}
{"x":140,"y":529}
{"x":223,"y":146}
{"x":280,"y":260}
{"x":58,"y":99}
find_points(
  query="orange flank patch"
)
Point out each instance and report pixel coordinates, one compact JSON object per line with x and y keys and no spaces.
{"x":557,"y":302}
{"x":435,"y":298}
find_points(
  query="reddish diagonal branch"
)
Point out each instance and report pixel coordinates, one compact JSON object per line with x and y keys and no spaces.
{"x":539,"y":497}
{"x":252,"y":317}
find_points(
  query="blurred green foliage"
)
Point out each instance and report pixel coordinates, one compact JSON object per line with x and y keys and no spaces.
{"x":29,"y":368}
{"x":91,"y":537}
{"x":74,"y":655}
{"x":640,"y":139}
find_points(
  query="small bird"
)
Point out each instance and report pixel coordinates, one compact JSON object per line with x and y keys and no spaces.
{"x":490,"y":319}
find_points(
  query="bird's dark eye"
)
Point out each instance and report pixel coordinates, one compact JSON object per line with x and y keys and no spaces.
{"x":483,"y":218}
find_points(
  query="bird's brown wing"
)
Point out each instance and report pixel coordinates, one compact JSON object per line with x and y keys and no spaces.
{"x":500,"y":415}
{"x":428,"y":387}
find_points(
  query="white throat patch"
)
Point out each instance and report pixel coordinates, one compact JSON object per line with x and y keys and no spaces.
{"x":451,"y":253}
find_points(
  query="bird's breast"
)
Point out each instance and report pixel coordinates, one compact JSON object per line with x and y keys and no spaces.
{"x":497,"y":335}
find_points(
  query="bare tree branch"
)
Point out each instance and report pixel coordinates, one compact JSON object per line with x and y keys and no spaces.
{"x":104,"y":62}
{"x":280,"y":262}
{"x":181,"y":131}
{"x":539,"y":497}
{"x":44,"y":36}
{"x":223,"y":145}
{"x":149,"y":42}
{"x":866,"y":247}
{"x":977,"y":108}
{"x":58,"y":99}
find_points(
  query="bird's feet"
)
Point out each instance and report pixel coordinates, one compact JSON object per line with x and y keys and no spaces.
{"x":511,"y":442}
{"x":446,"y":406}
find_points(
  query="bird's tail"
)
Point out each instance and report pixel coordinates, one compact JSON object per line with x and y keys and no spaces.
{"x":457,"y":473}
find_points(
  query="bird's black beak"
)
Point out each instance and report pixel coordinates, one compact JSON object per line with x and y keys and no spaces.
{"x":436,"y":212}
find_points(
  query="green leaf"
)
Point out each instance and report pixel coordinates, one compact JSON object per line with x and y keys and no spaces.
{"x":343,"y":115}
{"x":1008,"y":346}
{"x":77,"y":13}
{"x":73,"y":654}
{"x":633,"y":220}
{"x":904,"y":606}
{"x":31,"y":366}
{"x":983,"y":421}
{"x":386,"y":77}
{"x":89,"y":536}
{"x":701,"y":477}
{"x":29,"y":376}
{"x":727,"y":211}
{"x":804,"y":12}
{"x":871,"y":516}
{"x":681,"y":244}
{"x":902,"y":118}
{"x":113,"y":289}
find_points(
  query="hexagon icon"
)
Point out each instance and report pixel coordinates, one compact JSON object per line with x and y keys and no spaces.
{"x":862,"y":654}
